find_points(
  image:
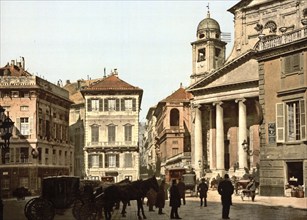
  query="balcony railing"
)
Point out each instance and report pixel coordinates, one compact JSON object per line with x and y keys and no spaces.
{"x":286,"y":38}
{"x":112,"y":144}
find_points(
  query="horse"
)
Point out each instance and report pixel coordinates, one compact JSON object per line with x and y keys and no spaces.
{"x":135,"y":190}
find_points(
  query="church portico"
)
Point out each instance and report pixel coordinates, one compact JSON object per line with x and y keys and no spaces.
{"x":220,"y":130}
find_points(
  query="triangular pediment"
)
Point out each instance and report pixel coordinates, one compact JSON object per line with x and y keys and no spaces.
{"x":240,"y":70}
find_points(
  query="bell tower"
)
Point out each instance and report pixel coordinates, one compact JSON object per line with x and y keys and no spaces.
{"x":208,"y":51}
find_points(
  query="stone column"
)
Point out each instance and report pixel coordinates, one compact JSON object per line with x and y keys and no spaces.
{"x":198,"y":152}
{"x":242,"y":134}
{"x":220,"y":165}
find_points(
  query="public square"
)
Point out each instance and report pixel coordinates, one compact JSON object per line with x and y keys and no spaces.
{"x":264,"y":208}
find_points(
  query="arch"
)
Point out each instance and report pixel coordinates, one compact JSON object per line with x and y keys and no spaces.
{"x":174,"y":117}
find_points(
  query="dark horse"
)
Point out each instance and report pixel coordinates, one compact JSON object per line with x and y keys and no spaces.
{"x":135,"y":190}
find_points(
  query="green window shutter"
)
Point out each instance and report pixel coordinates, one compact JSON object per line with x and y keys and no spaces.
{"x":106,"y":162}
{"x":122,"y":104}
{"x":296,"y":63}
{"x":100,"y":105}
{"x":303,"y":119}
{"x":287,"y":64}
{"x":100,"y":161}
{"x":280,"y":122}
{"x":106,"y":105}
{"x":134,"y":105}
{"x":89,"y":161}
{"x":89,"y":105}
{"x":117,"y":105}
{"x":117,"y":160}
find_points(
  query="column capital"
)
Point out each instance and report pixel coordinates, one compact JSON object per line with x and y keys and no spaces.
{"x":240,"y":100}
{"x":217,"y":103}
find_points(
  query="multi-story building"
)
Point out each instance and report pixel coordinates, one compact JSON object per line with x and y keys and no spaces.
{"x":77,"y":122}
{"x":173,"y":131}
{"x":149,"y":156}
{"x":282,"y":57}
{"x":226,"y":109}
{"x":112,"y":128}
{"x":39,"y":144}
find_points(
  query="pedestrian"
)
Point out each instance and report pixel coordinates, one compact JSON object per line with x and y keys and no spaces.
{"x":160,"y":200}
{"x":251,"y":187}
{"x":202,"y":190}
{"x":181,"y":188}
{"x":151,"y":199}
{"x":174,"y":200}
{"x":225,"y":189}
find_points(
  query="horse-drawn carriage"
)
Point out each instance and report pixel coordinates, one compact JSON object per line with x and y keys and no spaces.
{"x":60,"y":193}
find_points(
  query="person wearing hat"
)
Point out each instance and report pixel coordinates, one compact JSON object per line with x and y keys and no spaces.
{"x":202,"y":190}
{"x":225,"y":189}
{"x":175,"y":201}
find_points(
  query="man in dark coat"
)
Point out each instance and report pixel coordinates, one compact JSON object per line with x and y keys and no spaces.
{"x":181,"y":188}
{"x":175,"y":201}
{"x":225,"y":189}
{"x":202,"y":190}
{"x":160,"y":201}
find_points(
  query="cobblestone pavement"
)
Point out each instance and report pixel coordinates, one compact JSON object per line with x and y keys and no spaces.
{"x":264,"y":208}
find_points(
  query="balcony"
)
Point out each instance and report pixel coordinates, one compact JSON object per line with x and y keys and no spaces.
{"x":267,"y":42}
{"x":112,"y":146}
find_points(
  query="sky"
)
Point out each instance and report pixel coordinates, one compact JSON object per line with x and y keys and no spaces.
{"x":148,"y":42}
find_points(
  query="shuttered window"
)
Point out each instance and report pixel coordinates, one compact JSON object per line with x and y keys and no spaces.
{"x":292,"y":63}
{"x":291,"y":121}
{"x":95,"y":133}
{"x":111,"y":133}
{"x":280,"y":122}
{"x":128,"y":132}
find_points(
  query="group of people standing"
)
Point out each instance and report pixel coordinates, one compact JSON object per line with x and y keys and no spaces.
{"x":177,"y":192}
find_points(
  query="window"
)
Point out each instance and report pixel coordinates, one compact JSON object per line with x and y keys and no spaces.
{"x":95,"y":133}
{"x":201,"y":54}
{"x":128,"y":132}
{"x":15,"y":94}
{"x":111,"y":133}
{"x":175,"y":151}
{"x":112,"y":160}
{"x":111,"y":104}
{"x":292,"y":64}
{"x":290,"y":121}
{"x":24,"y":108}
{"x":24,"y":154}
{"x":95,"y":161}
{"x":5,"y":183}
{"x":94,"y":105}
{"x":128,"y":104}
{"x":24,"y":182}
{"x":128,"y":160}
{"x":174,"y":117}
{"x":24,"y":126}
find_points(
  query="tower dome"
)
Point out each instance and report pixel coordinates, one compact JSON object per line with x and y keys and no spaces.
{"x":208,"y":28}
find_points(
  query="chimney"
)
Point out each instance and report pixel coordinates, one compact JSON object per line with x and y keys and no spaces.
{"x":23,"y":64}
{"x":115,"y":72}
{"x":68,"y":81}
{"x":12,"y":62}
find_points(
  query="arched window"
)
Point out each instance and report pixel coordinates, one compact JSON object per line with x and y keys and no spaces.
{"x":174,"y":117}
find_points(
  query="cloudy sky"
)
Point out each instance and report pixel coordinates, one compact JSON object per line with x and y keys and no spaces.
{"x":148,"y":42}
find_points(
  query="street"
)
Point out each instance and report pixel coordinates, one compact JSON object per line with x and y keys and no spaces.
{"x":283,"y":208}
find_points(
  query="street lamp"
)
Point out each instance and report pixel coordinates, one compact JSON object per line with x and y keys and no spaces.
{"x":246,"y":149}
{"x":6,"y":127}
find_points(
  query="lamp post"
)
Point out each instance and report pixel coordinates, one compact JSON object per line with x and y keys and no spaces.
{"x":200,"y":168}
{"x":249,"y":152}
{"x":6,"y":127}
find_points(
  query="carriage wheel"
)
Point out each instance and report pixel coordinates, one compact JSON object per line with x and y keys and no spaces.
{"x":76,"y":208}
{"x":40,"y":209}
{"x":26,"y":209}
{"x":87,"y":212}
